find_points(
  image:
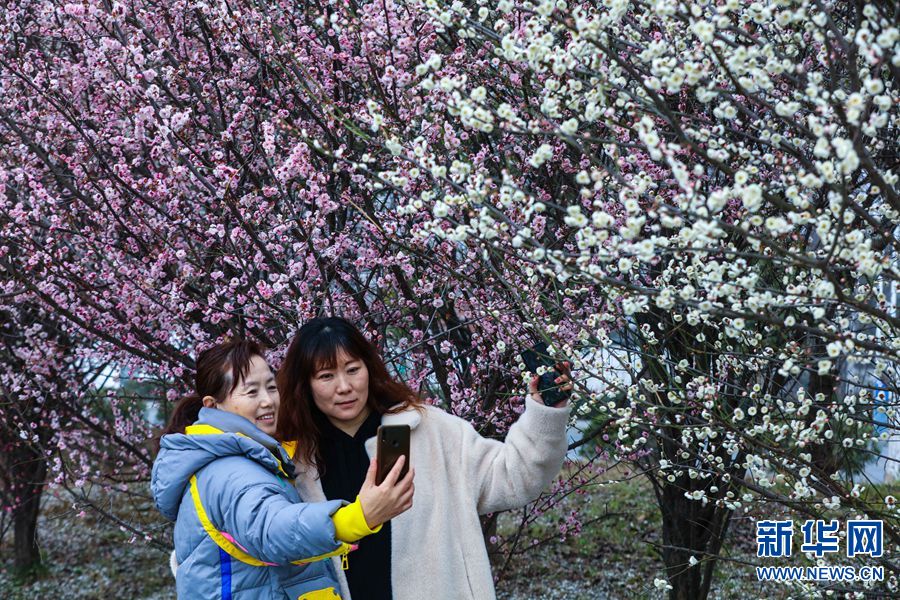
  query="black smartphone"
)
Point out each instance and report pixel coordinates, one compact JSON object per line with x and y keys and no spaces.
{"x":392,"y":443}
{"x":537,"y":356}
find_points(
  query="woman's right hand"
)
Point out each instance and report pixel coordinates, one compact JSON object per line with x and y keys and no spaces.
{"x":383,"y":502}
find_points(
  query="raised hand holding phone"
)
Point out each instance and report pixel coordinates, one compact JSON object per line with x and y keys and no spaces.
{"x":393,"y":496}
{"x":554,"y":387}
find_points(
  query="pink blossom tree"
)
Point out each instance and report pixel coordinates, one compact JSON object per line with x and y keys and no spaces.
{"x":162,"y":191}
{"x":58,"y":425}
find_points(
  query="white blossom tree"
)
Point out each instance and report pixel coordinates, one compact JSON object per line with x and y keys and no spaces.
{"x":726,"y":177}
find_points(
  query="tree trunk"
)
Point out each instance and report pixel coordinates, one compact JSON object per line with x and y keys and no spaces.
{"x":32,"y":472}
{"x":691,"y":529}
{"x":679,"y":534}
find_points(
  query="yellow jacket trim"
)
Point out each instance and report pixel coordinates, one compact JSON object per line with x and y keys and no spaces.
{"x":342,"y":551}
{"x":216,"y":535}
{"x":326,"y":594}
{"x":290,"y":448}
{"x":203,"y":429}
{"x":350,"y":523}
{"x":233,"y":550}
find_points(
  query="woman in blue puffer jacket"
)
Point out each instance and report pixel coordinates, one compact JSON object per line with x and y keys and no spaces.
{"x":241,"y":529}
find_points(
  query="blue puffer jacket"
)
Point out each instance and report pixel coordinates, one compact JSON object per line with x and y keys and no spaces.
{"x":243,"y":485}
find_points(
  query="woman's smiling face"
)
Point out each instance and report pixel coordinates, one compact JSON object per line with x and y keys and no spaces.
{"x":342,"y":392}
{"x":255,"y":398}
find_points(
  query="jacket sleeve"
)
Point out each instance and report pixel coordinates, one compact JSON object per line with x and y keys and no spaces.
{"x":350,"y":523}
{"x":509,"y":474}
{"x":254,"y":511}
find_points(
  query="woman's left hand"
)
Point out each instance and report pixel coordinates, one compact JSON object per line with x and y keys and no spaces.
{"x":564,"y":381}
{"x":383,"y":502}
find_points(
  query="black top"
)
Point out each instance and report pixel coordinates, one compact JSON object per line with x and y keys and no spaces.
{"x":346,"y":463}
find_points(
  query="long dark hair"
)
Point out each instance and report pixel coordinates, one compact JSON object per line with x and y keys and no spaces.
{"x":315,"y":347}
{"x":219,"y":370}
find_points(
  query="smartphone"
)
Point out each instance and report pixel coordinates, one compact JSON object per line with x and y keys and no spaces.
{"x":537,"y":356}
{"x":392,"y":443}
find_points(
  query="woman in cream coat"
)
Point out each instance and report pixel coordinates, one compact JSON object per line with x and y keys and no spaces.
{"x":335,"y":392}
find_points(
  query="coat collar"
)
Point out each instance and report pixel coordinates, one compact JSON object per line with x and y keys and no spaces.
{"x":410,"y":416}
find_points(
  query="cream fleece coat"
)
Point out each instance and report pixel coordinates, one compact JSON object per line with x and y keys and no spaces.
{"x":437,"y":548}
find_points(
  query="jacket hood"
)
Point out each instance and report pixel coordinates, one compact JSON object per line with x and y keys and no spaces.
{"x":216,"y":434}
